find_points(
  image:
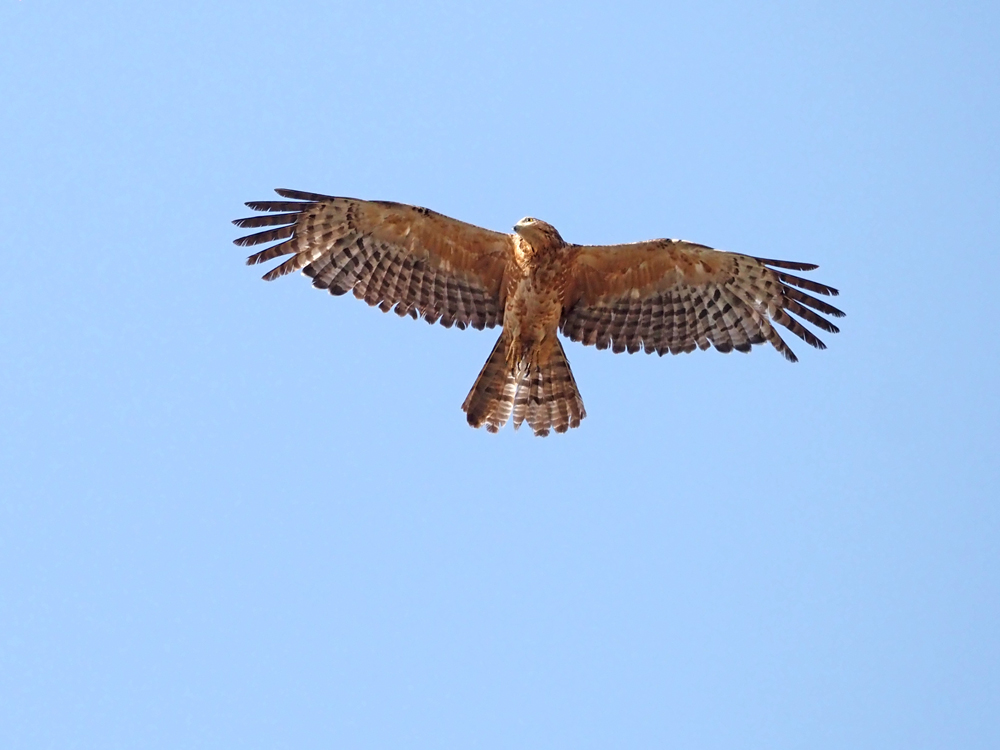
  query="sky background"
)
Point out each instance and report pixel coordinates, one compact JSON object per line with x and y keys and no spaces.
{"x":240,"y":514}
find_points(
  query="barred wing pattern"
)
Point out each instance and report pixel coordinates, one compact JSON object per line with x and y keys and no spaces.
{"x":673,"y":296}
{"x":411,"y":260}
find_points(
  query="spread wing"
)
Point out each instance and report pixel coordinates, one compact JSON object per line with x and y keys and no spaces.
{"x":389,"y":254}
{"x":672,"y":295}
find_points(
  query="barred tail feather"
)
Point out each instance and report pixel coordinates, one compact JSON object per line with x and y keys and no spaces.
{"x":553,"y":400}
{"x":544,"y":394}
{"x":491,"y":399}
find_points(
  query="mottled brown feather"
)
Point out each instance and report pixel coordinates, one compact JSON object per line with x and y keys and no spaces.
{"x":672,"y":295}
{"x":388,"y":254}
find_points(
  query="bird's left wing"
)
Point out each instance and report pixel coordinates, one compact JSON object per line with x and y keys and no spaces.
{"x":673,"y":296}
{"x":389,"y":254}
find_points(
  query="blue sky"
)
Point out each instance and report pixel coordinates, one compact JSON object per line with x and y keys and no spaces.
{"x":239,"y":514}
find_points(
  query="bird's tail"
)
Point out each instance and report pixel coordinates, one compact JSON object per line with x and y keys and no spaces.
{"x":543,"y":392}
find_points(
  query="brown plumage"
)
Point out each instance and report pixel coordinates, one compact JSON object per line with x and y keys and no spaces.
{"x":661,"y":295}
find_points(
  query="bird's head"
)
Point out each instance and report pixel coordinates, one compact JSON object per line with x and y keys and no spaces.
{"x":538,"y":233}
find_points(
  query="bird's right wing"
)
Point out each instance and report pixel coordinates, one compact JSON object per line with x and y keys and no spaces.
{"x":418,"y":261}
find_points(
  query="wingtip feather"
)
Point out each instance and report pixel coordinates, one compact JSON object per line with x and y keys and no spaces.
{"x":302,"y":195}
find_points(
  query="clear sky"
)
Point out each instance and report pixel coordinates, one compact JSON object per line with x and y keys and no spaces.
{"x":240,"y":514}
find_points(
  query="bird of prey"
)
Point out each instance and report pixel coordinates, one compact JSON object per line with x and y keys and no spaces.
{"x":657,"y":296}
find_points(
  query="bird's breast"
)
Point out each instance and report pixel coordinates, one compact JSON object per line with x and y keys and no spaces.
{"x":532,"y":313}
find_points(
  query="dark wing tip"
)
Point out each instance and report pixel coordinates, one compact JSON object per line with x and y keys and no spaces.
{"x":300,"y":195}
{"x":792,"y":265}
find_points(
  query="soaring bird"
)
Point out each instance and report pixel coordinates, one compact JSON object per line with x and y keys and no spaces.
{"x":658,"y":296}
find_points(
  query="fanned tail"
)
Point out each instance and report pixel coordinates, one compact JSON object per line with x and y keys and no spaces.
{"x":544,"y":394}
